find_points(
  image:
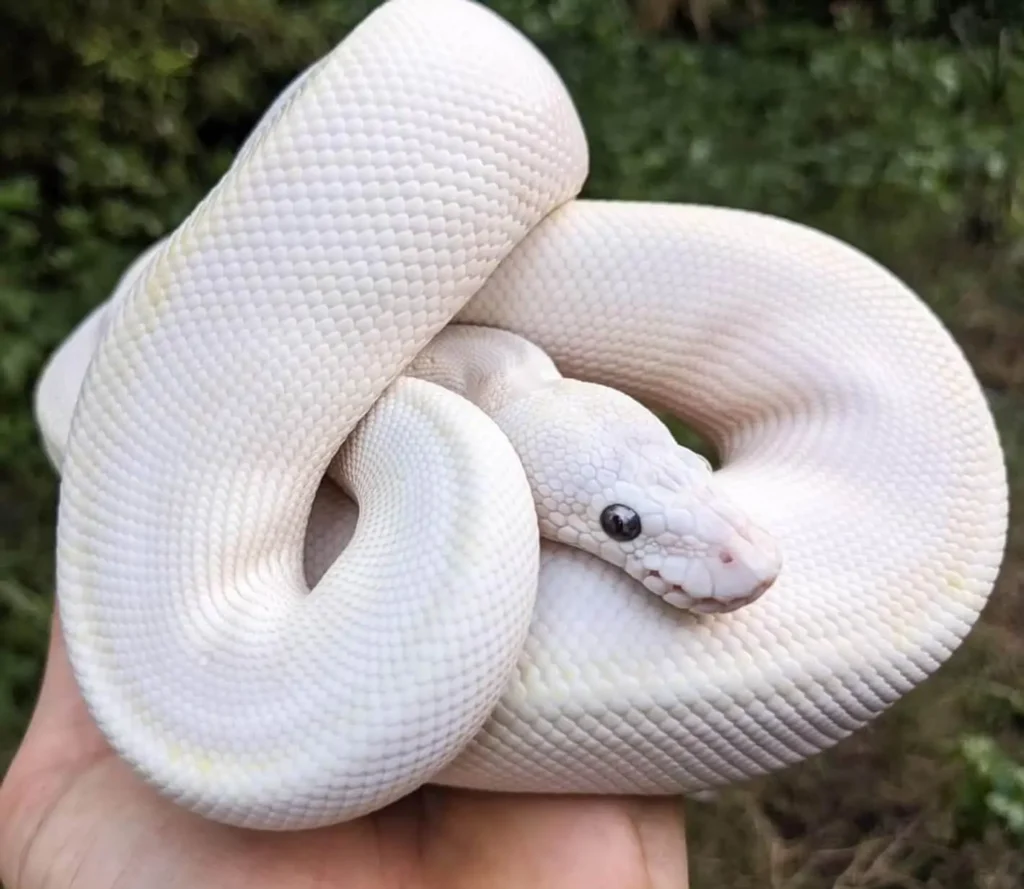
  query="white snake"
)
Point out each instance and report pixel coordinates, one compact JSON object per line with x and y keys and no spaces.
{"x":426,"y":172}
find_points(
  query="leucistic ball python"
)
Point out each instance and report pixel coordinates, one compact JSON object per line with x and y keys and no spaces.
{"x":424,"y":174}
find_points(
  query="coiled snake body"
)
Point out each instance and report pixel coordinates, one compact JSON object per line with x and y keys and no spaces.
{"x":425,"y":173}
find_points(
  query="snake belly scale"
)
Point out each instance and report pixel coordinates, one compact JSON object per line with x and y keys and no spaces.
{"x":426,"y":173}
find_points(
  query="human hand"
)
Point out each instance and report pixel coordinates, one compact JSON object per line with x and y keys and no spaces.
{"x":72,"y":814}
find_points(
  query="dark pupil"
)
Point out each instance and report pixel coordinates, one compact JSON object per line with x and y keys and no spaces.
{"x":620,"y":522}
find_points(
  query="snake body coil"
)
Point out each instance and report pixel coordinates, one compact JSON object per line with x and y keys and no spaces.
{"x":425,"y":173}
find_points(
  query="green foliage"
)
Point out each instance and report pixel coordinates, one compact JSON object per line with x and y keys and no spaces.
{"x":995,"y":788}
{"x":991,"y":790}
{"x":894,"y":125}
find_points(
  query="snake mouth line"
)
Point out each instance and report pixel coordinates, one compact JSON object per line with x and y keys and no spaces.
{"x":678,"y":596}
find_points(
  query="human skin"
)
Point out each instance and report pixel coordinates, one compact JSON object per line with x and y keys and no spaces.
{"x":73,"y":815}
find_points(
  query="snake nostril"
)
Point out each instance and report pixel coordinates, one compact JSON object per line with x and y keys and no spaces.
{"x":725,"y":557}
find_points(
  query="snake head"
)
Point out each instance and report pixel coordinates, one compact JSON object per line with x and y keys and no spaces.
{"x":609,"y":479}
{"x":661,"y":518}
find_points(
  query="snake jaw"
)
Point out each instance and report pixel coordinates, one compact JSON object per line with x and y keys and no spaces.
{"x":677,"y":596}
{"x":736,"y":567}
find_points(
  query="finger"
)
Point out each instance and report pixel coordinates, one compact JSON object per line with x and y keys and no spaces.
{"x":505,"y":841}
{"x":660,"y":826}
{"x":61,"y":734}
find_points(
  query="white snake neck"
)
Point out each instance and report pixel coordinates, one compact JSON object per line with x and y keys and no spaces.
{"x":487,"y":366}
{"x":588,"y":449}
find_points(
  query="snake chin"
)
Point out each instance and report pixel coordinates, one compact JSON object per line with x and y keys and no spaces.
{"x":677,"y":596}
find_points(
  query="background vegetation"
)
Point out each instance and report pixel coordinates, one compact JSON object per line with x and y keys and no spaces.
{"x":891,"y":123}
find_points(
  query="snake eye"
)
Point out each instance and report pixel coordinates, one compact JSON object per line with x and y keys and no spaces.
{"x":620,"y":522}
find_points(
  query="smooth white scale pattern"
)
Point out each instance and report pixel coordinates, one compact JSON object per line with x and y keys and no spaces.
{"x":425,"y":172}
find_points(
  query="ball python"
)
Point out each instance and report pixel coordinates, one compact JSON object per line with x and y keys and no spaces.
{"x":268,"y":655}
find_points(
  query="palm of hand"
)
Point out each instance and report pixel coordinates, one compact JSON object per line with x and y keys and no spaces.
{"x":72,"y":814}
